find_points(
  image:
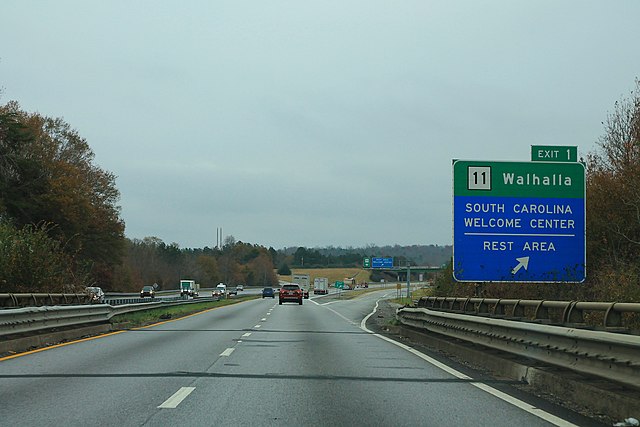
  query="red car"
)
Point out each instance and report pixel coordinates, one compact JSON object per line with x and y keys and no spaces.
{"x":290,"y":293}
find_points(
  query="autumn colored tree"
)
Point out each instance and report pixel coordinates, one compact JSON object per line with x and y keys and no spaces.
{"x":613,"y":204}
{"x":48,"y":176}
{"x":262,"y":270}
{"x":209,"y":269}
{"x":31,"y":261}
{"x":22,"y":180}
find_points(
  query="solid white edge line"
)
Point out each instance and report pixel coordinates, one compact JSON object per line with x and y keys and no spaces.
{"x":227,"y":352}
{"x":484,"y":387}
{"x":177,"y":398}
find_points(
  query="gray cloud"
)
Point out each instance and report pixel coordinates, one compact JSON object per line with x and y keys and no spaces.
{"x":328,"y":123}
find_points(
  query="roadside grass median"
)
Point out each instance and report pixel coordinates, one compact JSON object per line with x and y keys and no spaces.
{"x":355,"y":293}
{"x":415,"y":295}
{"x":160,"y":314}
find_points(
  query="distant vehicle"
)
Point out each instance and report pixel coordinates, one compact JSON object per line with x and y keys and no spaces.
{"x":320,"y":286}
{"x":96,"y":295}
{"x":290,"y":293}
{"x":189,"y":288}
{"x":220,"y":291}
{"x":302,"y":280}
{"x":147,"y":291}
{"x":268,"y":292}
{"x":240,"y":288}
{"x":232,"y":291}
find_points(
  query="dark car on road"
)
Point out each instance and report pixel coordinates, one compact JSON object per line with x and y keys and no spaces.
{"x":148,"y":291}
{"x":290,"y":293}
{"x":268,"y":292}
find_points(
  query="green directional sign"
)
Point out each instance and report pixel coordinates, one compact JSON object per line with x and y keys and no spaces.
{"x":519,"y":179}
{"x":554,"y":153}
{"x":367,"y":263}
{"x":339,"y":285}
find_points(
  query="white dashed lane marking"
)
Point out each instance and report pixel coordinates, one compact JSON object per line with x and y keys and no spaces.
{"x":177,"y":398}
{"x":227,"y":352}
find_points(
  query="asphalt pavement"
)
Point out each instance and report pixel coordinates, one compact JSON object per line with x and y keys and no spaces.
{"x":253,"y":363}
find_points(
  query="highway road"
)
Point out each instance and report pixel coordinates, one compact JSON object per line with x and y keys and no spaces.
{"x":257,"y":363}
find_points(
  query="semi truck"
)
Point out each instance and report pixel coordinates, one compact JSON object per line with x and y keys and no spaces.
{"x":321,"y":285}
{"x":303,"y":281}
{"x":189,"y":288}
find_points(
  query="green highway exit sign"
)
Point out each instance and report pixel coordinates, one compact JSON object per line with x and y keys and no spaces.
{"x":367,"y":263}
{"x":554,"y":153}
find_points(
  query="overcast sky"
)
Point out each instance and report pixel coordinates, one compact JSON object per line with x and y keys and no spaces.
{"x":296,"y":123}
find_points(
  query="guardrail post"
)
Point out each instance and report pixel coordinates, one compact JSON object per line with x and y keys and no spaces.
{"x":518,"y":310}
{"x":612,"y":318}
{"x":483,"y":307}
{"x":542,"y":312}
{"x":498,"y":309}
{"x":468,"y":307}
{"x":573,"y":314}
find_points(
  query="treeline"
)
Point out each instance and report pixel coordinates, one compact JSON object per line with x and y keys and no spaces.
{"x":613,"y":221}
{"x":429,"y":255}
{"x":151,"y":261}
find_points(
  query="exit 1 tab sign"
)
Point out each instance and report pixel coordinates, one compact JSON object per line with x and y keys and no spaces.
{"x":554,"y":153}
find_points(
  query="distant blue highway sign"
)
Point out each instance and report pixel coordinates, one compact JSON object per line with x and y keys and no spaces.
{"x":381,"y":262}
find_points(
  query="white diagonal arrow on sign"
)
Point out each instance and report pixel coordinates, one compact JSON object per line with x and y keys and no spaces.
{"x":522,"y":262}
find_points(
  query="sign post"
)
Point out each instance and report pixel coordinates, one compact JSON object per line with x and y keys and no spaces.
{"x":519,"y":221}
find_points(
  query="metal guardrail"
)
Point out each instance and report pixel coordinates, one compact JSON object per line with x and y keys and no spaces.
{"x":35,"y":319}
{"x":614,"y":356}
{"x":559,"y":312}
{"x":138,"y":300}
{"x":41,"y":299}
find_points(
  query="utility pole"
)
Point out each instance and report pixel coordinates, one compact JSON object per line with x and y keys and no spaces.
{"x":408,"y":280}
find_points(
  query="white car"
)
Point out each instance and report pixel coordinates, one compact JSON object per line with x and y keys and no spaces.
{"x":220,"y":291}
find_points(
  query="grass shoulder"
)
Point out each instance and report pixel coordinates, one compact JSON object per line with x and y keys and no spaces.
{"x":415,"y":295}
{"x":161,"y":314}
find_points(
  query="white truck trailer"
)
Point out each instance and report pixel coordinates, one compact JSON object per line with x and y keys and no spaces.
{"x":321,"y":285}
{"x":189,"y":287}
{"x":302,"y":280}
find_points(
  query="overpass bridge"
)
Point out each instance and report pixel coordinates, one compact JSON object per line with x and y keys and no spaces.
{"x":401,"y":271}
